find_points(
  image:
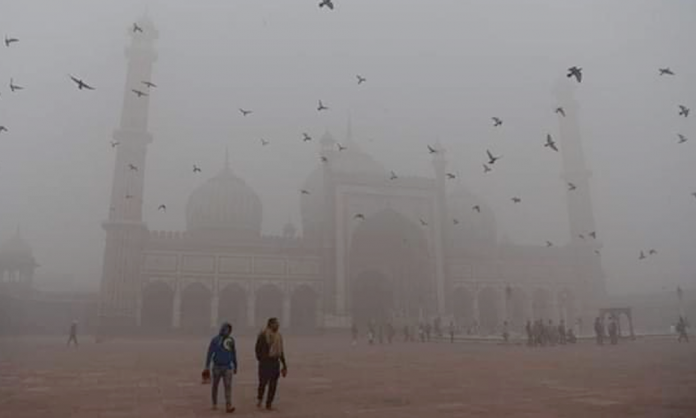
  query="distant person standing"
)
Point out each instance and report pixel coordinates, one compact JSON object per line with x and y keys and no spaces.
{"x":681,"y":329}
{"x":451,"y":331}
{"x":428,"y":330}
{"x":562,"y":332}
{"x":371,"y":333}
{"x":506,"y":332}
{"x":354,"y":333}
{"x":390,"y":332}
{"x":599,"y":331}
{"x":223,"y":356}
{"x":73,"y":334}
{"x":271,"y":358}
{"x":530,"y":335}
{"x":613,"y":332}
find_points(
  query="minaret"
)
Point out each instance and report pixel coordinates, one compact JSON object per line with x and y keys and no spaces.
{"x":125,"y":230}
{"x":580,"y":211}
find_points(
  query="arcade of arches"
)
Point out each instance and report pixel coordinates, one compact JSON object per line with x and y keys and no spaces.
{"x":196,"y":309}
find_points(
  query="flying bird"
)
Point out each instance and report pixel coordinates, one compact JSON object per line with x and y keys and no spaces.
{"x":14,"y":87}
{"x":306,"y":137}
{"x":684,"y":111}
{"x":422,"y":222}
{"x":516,"y":200}
{"x":560,"y":111}
{"x":341,"y":147}
{"x":3,"y":129}
{"x":162,"y":208}
{"x":321,"y":106}
{"x":81,"y":84}
{"x":246,"y":112}
{"x":264,"y":142}
{"x":451,"y":176}
{"x":137,"y":28}
{"x":392,"y":176}
{"x":593,"y":234}
{"x":486,"y":169}
{"x":132,"y":167}
{"x":361,"y":79}
{"x":324,"y":159}
{"x":641,"y":256}
{"x":575,"y":72}
{"x":114,"y":144}
{"x":652,"y":252}
{"x":491,"y":158}
{"x":10,"y":41}
{"x":359,"y":216}
{"x":581,"y":236}
{"x":196,"y":169}
{"x":597,"y":252}
{"x":327,"y":3}
{"x":550,"y":143}
{"x":497,"y":121}
{"x":549,"y":244}
{"x":139,"y":93}
{"x":692,"y":194}
{"x":665,"y":71}
{"x":304,"y":191}
{"x":682,"y":138}
{"x":477,"y":208}
{"x":149,"y":84}
{"x":455,"y":221}
{"x":432,"y":150}
{"x":129,"y":196}
{"x":571,"y":187}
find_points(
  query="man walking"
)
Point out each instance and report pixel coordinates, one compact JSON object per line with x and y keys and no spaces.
{"x":73,"y":334}
{"x":271,"y":358}
{"x":599,"y":331}
{"x":223,"y":354}
{"x":681,"y":329}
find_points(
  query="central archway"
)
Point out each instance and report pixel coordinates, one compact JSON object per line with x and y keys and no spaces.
{"x":269,"y":304}
{"x":232,"y":306}
{"x":303,"y":308}
{"x":157,"y":307}
{"x":390,"y":269}
{"x":195,"y":309}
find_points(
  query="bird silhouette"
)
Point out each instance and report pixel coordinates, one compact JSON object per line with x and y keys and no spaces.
{"x":114,"y":144}
{"x":666,"y":71}
{"x":477,"y":208}
{"x":571,"y":187}
{"x":550,"y":143}
{"x":361,"y":79}
{"x":652,"y":252}
{"x":196,"y":169}
{"x":491,"y":158}
{"x":486,"y":169}
{"x":139,"y":93}
{"x":321,"y":106}
{"x":392,"y":176}
{"x":422,"y":222}
{"x":324,"y":159}
{"x":304,"y":191}
{"x":516,"y":200}
{"x":560,"y":111}
{"x":432,"y":150}
{"x":684,"y":111}
{"x":641,"y":256}
{"x":341,"y":147}
{"x":81,"y":84}
{"x":327,"y":3}
{"x":162,"y":208}
{"x":129,"y":196}
{"x":581,"y":236}
{"x":597,"y":252}
{"x":10,"y":41}
{"x":306,"y":137}
{"x":575,"y":72}
{"x":245,"y":112}
{"x":682,"y":138}
{"x":692,"y":194}
{"x":149,"y":84}
{"x":14,"y":87}
{"x":264,"y":142}
{"x":132,"y":167}
{"x":497,"y":121}
{"x":593,"y":234}
{"x":549,"y":244}
{"x":359,"y":216}
{"x":3,"y":128}
{"x":451,"y":176}
{"x":455,"y":221}
{"x":137,"y":28}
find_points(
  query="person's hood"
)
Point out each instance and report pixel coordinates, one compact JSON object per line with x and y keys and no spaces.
{"x":225,"y":329}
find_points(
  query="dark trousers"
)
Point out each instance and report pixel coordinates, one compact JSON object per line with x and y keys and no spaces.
{"x":268,"y":376}
{"x":72,"y":339}
{"x":224,"y":374}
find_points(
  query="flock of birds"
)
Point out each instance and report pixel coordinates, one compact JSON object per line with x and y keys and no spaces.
{"x":143,"y":90}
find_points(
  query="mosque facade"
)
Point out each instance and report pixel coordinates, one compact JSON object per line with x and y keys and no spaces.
{"x":372,"y":247}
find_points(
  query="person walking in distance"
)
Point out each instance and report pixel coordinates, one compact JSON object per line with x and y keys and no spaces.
{"x":271,"y":358}
{"x":73,"y":334}
{"x":599,"y":331}
{"x":223,"y":356}
{"x":354,"y":333}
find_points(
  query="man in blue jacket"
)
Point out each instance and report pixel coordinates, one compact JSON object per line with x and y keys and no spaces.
{"x":223,"y":355}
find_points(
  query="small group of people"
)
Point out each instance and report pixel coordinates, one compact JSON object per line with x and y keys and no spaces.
{"x":222,"y":356}
{"x":381,"y":332}
{"x":540,"y":334}
{"x":601,"y":329}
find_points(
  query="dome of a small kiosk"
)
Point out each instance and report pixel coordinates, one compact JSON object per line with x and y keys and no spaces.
{"x":224,"y":203}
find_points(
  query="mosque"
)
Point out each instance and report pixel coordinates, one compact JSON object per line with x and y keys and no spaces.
{"x":371,"y":247}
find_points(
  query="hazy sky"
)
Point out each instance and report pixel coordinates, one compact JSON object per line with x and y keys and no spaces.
{"x":435,"y":69}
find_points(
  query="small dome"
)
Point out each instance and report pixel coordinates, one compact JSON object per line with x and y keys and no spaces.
{"x":16,"y":251}
{"x":224,"y":203}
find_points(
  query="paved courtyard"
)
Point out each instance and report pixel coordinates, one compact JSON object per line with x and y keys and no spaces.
{"x":40,"y":377}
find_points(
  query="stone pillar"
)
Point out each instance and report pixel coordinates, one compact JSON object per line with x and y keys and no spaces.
{"x":214,"y":303}
{"x":286,"y":308}
{"x":176,"y":311}
{"x":251,"y":308}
